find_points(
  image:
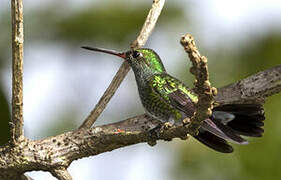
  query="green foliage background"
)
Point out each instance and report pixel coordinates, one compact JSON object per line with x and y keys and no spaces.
{"x":115,"y":25}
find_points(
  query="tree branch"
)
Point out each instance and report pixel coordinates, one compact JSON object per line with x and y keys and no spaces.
{"x":55,"y":154}
{"x":149,"y":23}
{"x":203,"y":87}
{"x":17,"y":56}
{"x":146,"y":30}
{"x":253,"y":89}
{"x":104,"y":100}
{"x":61,"y":173}
{"x":61,"y":150}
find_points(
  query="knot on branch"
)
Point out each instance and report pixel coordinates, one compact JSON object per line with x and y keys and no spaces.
{"x":203,"y":87}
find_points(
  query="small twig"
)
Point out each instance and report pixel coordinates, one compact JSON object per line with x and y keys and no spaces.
{"x":61,"y":173}
{"x":110,"y":91}
{"x":203,"y":87}
{"x":147,"y":28}
{"x":17,"y":56}
{"x":149,"y":23}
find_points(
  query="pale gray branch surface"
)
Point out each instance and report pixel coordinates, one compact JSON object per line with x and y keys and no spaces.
{"x":17,"y":57}
{"x":61,"y":173}
{"x":55,"y":154}
{"x":146,"y":30}
{"x":17,"y":79}
{"x":61,"y":150}
{"x":253,"y":89}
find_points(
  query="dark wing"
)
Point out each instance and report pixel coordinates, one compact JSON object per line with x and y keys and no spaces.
{"x":174,"y":92}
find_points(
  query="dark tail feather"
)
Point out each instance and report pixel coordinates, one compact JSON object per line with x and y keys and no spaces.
{"x":248,"y":118}
{"x":214,"y":142}
{"x":247,"y":121}
{"x":217,"y":128}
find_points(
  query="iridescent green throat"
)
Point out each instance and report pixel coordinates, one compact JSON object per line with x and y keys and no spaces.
{"x":152,"y":60}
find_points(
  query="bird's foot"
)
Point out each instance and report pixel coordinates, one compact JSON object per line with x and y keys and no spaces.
{"x":155,"y":132}
{"x":186,"y":121}
{"x":153,"y":135}
{"x":166,"y":126}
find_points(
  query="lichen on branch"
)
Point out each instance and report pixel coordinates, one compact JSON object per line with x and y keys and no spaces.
{"x":203,"y":87}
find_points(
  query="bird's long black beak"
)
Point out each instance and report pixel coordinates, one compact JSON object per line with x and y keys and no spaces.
{"x":119,"y":54}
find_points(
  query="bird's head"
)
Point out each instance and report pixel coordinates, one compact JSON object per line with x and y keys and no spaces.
{"x":142,"y":60}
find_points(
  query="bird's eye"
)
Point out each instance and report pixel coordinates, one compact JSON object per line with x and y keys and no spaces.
{"x":136,"y":54}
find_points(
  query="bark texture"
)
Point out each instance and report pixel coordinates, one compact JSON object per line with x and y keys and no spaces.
{"x":55,"y":154}
{"x":59,"y":151}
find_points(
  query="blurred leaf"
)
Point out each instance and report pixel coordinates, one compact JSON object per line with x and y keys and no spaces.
{"x":4,"y":104}
{"x":64,"y":122}
{"x":261,"y":54}
{"x":4,"y":37}
{"x":109,"y":23}
{"x":112,"y":22}
{"x":5,"y":118}
{"x":262,"y":160}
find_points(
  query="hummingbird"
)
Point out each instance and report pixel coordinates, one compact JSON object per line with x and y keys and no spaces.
{"x":167,"y":99}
